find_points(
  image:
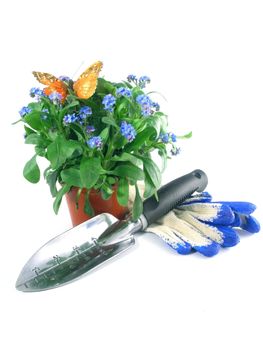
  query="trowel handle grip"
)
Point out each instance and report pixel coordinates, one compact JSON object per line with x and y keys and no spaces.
{"x":173,"y":194}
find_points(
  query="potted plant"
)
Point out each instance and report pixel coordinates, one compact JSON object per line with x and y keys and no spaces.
{"x":98,"y":137}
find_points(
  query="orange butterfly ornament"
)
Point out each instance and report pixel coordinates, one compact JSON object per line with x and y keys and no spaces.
{"x":84,"y":87}
{"x":86,"y":84}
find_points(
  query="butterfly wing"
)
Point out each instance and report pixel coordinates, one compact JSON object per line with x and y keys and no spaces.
{"x":45,"y":78}
{"x":53,"y":84}
{"x":86,"y":85}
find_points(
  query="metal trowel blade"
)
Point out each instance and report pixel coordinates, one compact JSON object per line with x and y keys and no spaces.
{"x":71,"y":254}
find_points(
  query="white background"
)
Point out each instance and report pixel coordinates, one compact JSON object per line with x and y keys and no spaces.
{"x":206,"y":58}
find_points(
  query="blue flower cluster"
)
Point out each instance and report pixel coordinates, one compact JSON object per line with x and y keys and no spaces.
{"x":143,"y":81}
{"x":165,"y":138}
{"x":128,"y":131}
{"x":24,"y":111}
{"x":95,"y":142}
{"x":55,"y":97}
{"x":90,"y":129}
{"x":109,"y":102}
{"x":84,"y":112}
{"x":132,"y":78}
{"x":122,"y":91}
{"x":70,"y":118}
{"x":173,"y":137}
{"x":36,"y":92}
{"x":147,"y":104}
{"x":156,"y":106}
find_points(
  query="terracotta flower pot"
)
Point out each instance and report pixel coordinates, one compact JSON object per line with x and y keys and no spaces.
{"x":98,"y":204}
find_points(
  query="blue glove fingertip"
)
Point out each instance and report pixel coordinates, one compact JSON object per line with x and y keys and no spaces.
{"x":246,"y":208}
{"x":250,"y":224}
{"x":184,"y":249}
{"x":229,"y":235}
{"x":209,"y":250}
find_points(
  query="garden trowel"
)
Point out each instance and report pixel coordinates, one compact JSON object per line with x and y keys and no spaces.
{"x":73,"y":253}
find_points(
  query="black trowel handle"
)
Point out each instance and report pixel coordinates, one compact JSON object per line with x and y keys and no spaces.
{"x":173,"y":194}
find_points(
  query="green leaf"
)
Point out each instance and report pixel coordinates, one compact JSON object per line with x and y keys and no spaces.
{"x":71,"y":176}
{"x":64,"y":189}
{"x":29,"y":130}
{"x":149,"y":187}
{"x":105,"y":134}
{"x":39,"y":141}
{"x":33,"y":139}
{"x":158,"y":122}
{"x":129,"y":171}
{"x":163,"y":154}
{"x":78,"y":130}
{"x":105,"y":86}
{"x":140,"y":139}
{"x":153,"y":171}
{"x":35,"y":106}
{"x":127,"y":157}
{"x":51,"y":179}
{"x":31,"y":170}
{"x":52,"y":134}
{"x":90,"y":169}
{"x":106,"y":191}
{"x":186,"y":136}
{"x":46,"y":172}
{"x":138,"y":124}
{"x":33,"y":119}
{"x":137,"y":205}
{"x":68,"y":107}
{"x":109,"y":121}
{"x":137,"y":91}
{"x":121,"y":109}
{"x":160,"y":114}
{"x":60,"y":150}
{"x":87,"y":207}
{"x":123,"y":192}
{"x":77,"y":197}
{"x":40,"y":151}
{"x":111,"y":180}
{"x":119,"y":141}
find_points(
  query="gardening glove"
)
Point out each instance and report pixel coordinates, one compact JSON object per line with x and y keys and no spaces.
{"x":199,"y":224}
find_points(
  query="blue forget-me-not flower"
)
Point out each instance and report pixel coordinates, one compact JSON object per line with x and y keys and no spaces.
{"x":122,"y":91}
{"x":24,"y":111}
{"x":131,"y":78}
{"x":84,"y":112}
{"x":90,"y":129}
{"x":95,"y":142}
{"x":55,"y":97}
{"x":109,"y":102}
{"x":128,"y":131}
{"x":70,"y":118}
{"x":36,"y":92}
{"x":143,"y":81}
